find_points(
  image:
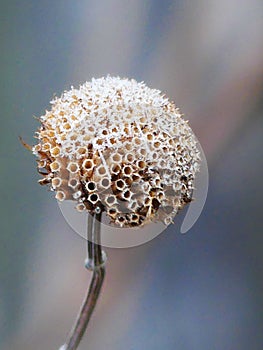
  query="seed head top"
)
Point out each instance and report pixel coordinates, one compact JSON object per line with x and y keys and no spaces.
{"x":119,"y":145}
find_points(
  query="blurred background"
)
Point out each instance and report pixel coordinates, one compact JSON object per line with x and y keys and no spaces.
{"x":198,"y":291}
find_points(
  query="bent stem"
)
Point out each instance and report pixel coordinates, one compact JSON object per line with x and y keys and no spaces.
{"x":96,"y":262}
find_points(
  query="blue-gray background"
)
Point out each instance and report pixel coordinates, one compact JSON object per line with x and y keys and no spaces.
{"x":198,"y":291}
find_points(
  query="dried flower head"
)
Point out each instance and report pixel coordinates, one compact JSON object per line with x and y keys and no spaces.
{"x":120,"y":145}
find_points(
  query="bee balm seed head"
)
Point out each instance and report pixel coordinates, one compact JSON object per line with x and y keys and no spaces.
{"x":121,"y":146}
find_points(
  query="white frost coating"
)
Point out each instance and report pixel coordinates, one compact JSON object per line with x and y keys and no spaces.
{"x":63,"y":347}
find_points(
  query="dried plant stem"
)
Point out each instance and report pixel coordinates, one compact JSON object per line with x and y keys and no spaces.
{"x":95,"y":262}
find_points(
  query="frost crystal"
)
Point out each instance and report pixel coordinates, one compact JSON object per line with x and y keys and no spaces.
{"x":120,"y":145}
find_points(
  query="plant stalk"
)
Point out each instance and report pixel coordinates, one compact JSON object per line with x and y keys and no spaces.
{"x":96,"y":263}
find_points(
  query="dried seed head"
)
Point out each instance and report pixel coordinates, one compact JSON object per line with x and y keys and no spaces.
{"x":118,"y":144}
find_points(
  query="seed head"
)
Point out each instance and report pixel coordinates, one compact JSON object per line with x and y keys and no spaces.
{"x":119,"y":145}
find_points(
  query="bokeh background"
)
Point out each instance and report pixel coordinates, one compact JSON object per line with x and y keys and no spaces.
{"x":198,"y":291}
